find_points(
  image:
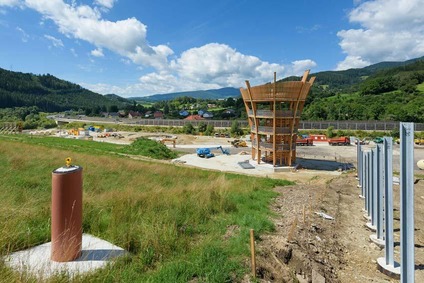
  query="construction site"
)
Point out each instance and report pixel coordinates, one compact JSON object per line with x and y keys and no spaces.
{"x":320,"y":229}
{"x":304,"y":242}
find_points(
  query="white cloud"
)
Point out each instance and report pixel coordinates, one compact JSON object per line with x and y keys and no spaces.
{"x":24,"y":35}
{"x":98,"y":52}
{"x":126,"y":37}
{"x":10,"y":3}
{"x":105,"y":3}
{"x":222,"y":65}
{"x":73,"y":52}
{"x":55,"y":41}
{"x":209,"y":66}
{"x":298,"y":67}
{"x":392,"y":30}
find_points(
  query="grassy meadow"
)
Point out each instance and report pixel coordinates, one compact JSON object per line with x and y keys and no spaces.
{"x":178,"y":224}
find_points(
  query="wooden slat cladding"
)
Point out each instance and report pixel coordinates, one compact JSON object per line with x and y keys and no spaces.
{"x":274,"y":111}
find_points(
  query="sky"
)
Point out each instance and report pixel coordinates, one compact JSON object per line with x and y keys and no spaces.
{"x":139,"y":47}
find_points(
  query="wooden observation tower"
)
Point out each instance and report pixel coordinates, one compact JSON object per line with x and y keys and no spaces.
{"x":273,"y":111}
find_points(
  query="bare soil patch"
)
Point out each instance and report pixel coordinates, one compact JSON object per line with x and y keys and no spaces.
{"x":339,"y":249}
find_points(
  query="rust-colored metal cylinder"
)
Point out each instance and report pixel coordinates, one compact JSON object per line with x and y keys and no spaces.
{"x":66,"y":213}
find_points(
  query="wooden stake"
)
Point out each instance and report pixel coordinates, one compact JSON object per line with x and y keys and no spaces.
{"x":252,"y":252}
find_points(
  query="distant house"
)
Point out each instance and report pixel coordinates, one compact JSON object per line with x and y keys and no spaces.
{"x":229,"y":111}
{"x":207,"y":115}
{"x":194,"y":106}
{"x":122,"y":113}
{"x":113,"y":115}
{"x":201,"y":112}
{"x":184,"y":113}
{"x":134,"y":114}
{"x":194,"y":118}
{"x":148,"y":114}
{"x":211,"y":105}
{"x":158,"y":115}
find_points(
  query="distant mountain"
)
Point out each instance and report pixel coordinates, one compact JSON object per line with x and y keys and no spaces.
{"x":349,"y":80}
{"x":221,"y":93}
{"x":49,"y":93}
{"x":383,"y":91}
{"x":116,"y":98}
{"x":390,"y":64}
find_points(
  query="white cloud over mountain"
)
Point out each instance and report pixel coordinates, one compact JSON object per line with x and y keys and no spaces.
{"x":391,"y":30}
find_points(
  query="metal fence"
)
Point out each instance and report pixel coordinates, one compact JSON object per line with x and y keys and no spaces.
{"x":355,"y":125}
{"x":303,"y":125}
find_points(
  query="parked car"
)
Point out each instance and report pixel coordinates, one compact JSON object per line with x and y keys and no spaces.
{"x":363,"y":141}
{"x":378,"y":140}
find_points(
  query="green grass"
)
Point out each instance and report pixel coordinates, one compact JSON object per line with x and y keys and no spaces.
{"x":171,"y":219}
{"x":420,"y":87}
{"x":142,"y":146}
{"x":149,"y":148}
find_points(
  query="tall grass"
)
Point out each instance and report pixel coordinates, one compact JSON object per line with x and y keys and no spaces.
{"x":171,"y":219}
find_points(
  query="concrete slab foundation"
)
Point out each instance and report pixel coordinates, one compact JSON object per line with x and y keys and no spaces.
{"x":379,"y":242}
{"x":371,"y":227}
{"x":36,"y":261}
{"x":392,"y":271}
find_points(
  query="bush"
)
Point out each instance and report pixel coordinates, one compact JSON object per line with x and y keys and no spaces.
{"x":235,"y":129}
{"x":150,"y":148}
{"x":209,"y":130}
{"x":330,"y":132}
{"x":189,"y":129}
{"x":202,"y":127}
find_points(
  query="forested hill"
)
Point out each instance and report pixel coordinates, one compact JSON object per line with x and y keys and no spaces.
{"x":385,"y":91}
{"x":350,"y":80}
{"x":48,"y":93}
{"x":221,"y":93}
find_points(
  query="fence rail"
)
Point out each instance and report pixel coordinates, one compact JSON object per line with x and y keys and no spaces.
{"x":303,"y":125}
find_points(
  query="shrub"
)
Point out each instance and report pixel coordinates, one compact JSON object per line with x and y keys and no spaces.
{"x":209,"y":130}
{"x":330,"y":132}
{"x":189,"y":129}
{"x":235,"y":129}
{"x":150,"y":148}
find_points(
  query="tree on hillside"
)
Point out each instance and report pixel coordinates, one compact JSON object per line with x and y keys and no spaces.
{"x":235,"y":128}
{"x":113,"y":108}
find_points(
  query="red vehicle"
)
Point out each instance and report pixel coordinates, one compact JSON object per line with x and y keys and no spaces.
{"x":304,"y":140}
{"x":339,"y":141}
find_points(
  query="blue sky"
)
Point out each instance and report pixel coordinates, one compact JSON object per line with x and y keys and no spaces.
{"x":138,"y":48}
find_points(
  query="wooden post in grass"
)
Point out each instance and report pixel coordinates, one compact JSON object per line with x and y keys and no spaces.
{"x":252,"y":251}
